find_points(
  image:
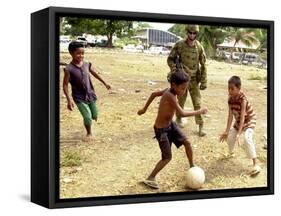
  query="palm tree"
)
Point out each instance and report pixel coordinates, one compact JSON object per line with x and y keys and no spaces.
{"x":210,"y":36}
{"x":261,"y":35}
{"x":244,"y":35}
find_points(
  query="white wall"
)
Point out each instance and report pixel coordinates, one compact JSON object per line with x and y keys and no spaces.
{"x":15,"y":107}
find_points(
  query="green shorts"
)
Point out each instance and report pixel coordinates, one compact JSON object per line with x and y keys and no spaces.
{"x":89,"y":111}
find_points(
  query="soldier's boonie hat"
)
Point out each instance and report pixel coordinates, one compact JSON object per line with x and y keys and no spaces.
{"x":192,"y":28}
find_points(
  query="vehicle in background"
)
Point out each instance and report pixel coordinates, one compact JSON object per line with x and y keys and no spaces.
{"x":254,"y":59}
{"x":101,"y":43}
{"x":226,"y":55}
{"x":87,"y":42}
{"x":82,"y":40}
{"x":221,"y":54}
{"x":64,"y":45}
{"x":236,"y":56}
{"x":64,"y":42}
{"x":249,"y":58}
{"x":133,"y":48}
{"x":158,"y":50}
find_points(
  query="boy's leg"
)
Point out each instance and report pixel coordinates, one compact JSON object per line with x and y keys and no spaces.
{"x":87,"y":116}
{"x":231,"y":138}
{"x":165,"y":147}
{"x":188,"y":151}
{"x":94,"y":110}
{"x":250,"y":148}
{"x":179,"y":138}
{"x":159,"y":166}
{"x":150,"y":181}
{"x":249,"y":144}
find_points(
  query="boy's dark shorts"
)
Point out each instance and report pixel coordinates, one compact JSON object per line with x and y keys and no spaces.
{"x":167,"y":136}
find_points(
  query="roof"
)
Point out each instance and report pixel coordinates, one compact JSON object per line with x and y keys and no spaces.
{"x":159,"y":30}
{"x":240,"y":44}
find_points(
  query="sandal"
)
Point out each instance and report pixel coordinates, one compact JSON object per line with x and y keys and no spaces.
{"x":256,"y":170}
{"x":151,"y":183}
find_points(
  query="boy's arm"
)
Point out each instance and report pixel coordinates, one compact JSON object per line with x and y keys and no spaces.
{"x":229,"y":120}
{"x":70,"y":103}
{"x":99,"y":78}
{"x":184,"y":113}
{"x":150,"y":99}
{"x":242,"y":117}
{"x":224,"y":135}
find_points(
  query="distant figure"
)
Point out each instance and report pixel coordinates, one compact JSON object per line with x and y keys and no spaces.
{"x":245,"y":121}
{"x":193,"y":60}
{"x":167,"y":131}
{"x":77,"y":73}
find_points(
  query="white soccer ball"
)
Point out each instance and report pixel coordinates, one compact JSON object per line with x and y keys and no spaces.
{"x":195,"y":177}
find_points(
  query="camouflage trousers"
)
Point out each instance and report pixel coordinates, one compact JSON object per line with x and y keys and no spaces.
{"x":195,"y":95}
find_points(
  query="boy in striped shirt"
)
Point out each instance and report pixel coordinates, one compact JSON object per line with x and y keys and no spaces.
{"x":245,"y":121}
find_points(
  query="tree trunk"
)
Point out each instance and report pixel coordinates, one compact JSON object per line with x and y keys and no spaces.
{"x":109,"y":40}
{"x":232,"y":50}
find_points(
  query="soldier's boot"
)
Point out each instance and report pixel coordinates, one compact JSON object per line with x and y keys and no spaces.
{"x":201,"y":130}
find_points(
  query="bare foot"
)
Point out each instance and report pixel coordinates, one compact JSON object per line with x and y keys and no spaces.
{"x":88,"y":138}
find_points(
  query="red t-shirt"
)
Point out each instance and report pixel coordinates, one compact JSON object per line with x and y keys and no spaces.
{"x":235,"y":104}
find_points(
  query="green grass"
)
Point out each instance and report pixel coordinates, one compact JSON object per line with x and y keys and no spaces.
{"x":70,"y":159}
{"x":257,"y":77}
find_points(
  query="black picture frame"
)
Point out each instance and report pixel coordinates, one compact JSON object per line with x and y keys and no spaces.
{"x":45,"y":108}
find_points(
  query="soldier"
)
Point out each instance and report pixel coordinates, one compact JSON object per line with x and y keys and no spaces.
{"x":191,"y":53}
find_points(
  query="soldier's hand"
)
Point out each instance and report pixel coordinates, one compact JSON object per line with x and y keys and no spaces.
{"x":203,"y":86}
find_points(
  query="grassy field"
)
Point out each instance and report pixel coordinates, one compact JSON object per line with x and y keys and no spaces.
{"x":123,"y":151}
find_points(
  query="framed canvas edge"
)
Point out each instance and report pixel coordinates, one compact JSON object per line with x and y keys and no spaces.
{"x":55,"y":202}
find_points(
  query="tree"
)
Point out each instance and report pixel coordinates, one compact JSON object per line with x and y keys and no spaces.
{"x":78,"y":26}
{"x":120,"y":28}
{"x":261,"y":35}
{"x":178,"y":29}
{"x":210,"y":37}
{"x":244,"y":35}
{"x":141,"y":25}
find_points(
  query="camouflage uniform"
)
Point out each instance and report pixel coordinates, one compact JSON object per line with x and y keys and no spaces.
{"x":190,"y":58}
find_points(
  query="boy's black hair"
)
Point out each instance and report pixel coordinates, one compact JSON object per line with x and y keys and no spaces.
{"x":235,"y":80}
{"x":74,"y":45}
{"x":179,"y":77}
